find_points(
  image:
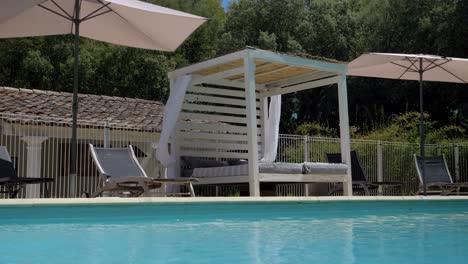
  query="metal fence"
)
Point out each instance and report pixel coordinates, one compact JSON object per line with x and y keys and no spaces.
{"x":381,"y":160}
{"x":40,"y":147}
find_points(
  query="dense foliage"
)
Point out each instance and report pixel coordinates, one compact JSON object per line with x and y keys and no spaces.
{"x":338,"y":29}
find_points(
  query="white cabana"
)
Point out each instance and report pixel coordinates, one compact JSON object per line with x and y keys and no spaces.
{"x":229,"y":108}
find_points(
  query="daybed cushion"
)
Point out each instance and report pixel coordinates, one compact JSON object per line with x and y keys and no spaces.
{"x":324,"y":168}
{"x":280,"y":168}
{"x":221,"y":171}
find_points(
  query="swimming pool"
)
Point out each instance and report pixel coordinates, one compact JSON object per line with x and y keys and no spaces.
{"x":270,"y":232}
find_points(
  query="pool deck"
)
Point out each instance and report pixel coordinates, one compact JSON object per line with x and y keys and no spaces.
{"x":117,"y":200}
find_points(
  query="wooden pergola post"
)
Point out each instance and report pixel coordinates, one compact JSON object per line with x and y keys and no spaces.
{"x":344,"y":133}
{"x":251,"y":108}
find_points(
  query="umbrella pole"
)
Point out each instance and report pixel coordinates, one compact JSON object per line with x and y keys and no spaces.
{"x":421,"y":126}
{"x":74,"y":143}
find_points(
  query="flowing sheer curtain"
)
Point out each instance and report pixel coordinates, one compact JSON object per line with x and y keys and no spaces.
{"x":171,"y":115}
{"x":271,"y":124}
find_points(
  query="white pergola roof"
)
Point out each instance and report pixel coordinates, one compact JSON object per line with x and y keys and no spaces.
{"x":224,"y":107}
{"x":272,"y":70}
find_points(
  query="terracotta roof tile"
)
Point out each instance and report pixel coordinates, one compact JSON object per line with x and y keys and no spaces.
{"x":123,"y":112}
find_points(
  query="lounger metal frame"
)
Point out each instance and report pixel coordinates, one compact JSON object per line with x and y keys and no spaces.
{"x":364,"y":183}
{"x":12,"y":183}
{"x":136,"y":185}
{"x":442,"y":188}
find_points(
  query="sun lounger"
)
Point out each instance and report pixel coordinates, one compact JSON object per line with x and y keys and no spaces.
{"x":438,"y":177}
{"x":9,"y":179}
{"x":360,"y":180}
{"x":121,"y":172}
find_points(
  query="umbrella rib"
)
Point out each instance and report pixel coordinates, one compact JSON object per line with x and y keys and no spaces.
{"x":407,"y":69}
{"x":431,"y":62}
{"x":144,"y":34}
{"x":454,"y":75}
{"x":100,"y":14}
{"x":413,"y":65}
{"x":436,"y":65}
{"x":90,"y":15}
{"x":55,"y":12}
{"x":63,"y":10}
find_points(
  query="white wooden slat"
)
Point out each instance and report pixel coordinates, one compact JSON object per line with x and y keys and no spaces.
{"x":213,"y":117}
{"x":211,"y":127}
{"x":207,"y":64}
{"x":215,"y":109}
{"x":301,"y":62}
{"x":228,"y":83}
{"x":213,"y":154}
{"x":213,"y":136}
{"x":299,"y":79}
{"x":259,"y":68}
{"x":217,"y":76}
{"x":214,"y":146}
{"x":281,"y":68}
{"x":217,"y":91}
{"x":215,"y":100}
{"x":300,"y":87}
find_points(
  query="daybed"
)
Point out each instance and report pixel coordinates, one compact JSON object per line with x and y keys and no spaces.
{"x":307,"y":172}
{"x":229,"y":108}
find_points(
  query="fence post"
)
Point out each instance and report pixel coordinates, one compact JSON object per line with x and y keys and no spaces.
{"x":456,"y":152}
{"x":306,"y":158}
{"x":306,"y":149}
{"x":107,"y":135}
{"x":439,"y":150}
{"x":379,"y":166}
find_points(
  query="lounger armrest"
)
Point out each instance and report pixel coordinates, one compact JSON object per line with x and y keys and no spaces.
{"x":438,"y":184}
{"x":457,"y":184}
{"x":130,"y":179}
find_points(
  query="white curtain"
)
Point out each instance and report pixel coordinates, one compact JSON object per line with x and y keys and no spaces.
{"x":271,"y":124}
{"x":171,"y":114}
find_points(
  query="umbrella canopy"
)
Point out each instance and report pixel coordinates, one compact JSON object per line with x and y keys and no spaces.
{"x":412,"y":67}
{"x":124,"y":22}
{"x":406,"y":67}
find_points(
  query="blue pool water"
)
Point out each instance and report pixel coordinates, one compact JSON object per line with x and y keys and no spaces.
{"x":311,"y":232}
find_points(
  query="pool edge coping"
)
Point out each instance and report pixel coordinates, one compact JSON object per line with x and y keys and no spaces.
{"x":156,"y":200}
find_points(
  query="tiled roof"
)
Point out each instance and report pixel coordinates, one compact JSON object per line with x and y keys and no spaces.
{"x":93,"y":109}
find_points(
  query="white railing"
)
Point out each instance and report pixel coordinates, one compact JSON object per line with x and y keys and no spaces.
{"x":40,"y":147}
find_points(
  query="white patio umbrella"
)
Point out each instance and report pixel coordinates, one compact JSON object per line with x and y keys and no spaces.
{"x":412,"y":67}
{"x":124,"y":22}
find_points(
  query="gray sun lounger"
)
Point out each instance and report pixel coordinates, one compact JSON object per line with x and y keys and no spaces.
{"x":359,"y":177}
{"x":9,"y":179}
{"x":438,"y":177}
{"x":121,"y":172}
